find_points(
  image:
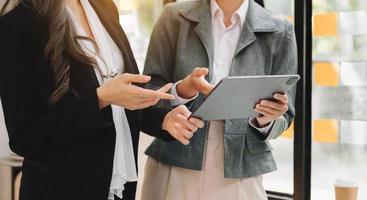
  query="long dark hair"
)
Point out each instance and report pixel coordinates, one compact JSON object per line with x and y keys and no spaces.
{"x":62,"y":45}
{"x":2,"y":9}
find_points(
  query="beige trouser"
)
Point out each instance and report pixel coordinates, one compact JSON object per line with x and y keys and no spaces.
{"x":164,"y":182}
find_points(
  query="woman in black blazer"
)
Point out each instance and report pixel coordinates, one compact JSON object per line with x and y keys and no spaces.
{"x":58,"y":116}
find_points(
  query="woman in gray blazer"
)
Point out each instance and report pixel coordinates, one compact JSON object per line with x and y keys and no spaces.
{"x":225,"y":159}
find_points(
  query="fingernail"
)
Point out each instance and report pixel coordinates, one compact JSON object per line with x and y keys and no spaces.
{"x":147,"y":77}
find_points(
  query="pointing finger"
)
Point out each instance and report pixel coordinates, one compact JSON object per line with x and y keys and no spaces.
{"x":165,"y":88}
{"x":145,"y":93}
{"x":135,"y":78}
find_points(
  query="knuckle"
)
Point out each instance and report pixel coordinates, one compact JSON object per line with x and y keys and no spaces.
{"x":182,"y":136}
{"x":177,"y":116}
{"x":124,"y":75}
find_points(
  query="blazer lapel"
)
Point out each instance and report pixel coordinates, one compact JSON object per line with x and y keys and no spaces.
{"x":202,"y":16}
{"x":113,"y":27}
{"x":257,"y":20}
{"x":247,"y":37}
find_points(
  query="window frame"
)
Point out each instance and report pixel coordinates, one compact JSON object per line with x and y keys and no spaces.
{"x":303,"y":119}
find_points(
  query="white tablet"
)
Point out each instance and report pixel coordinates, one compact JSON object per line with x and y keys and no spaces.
{"x":236,"y":97}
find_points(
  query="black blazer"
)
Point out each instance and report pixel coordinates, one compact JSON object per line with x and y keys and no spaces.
{"x":68,"y":147}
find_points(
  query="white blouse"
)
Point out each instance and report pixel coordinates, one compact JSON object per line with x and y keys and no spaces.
{"x":109,"y":63}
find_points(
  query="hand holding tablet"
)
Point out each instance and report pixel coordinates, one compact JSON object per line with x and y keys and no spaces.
{"x":271,"y":110}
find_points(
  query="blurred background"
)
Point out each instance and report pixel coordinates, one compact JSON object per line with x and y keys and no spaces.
{"x":339,"y":97}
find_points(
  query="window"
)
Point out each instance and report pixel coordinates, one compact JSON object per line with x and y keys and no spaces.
{"x":137,"y":17}
{"x":339,"y":93}
{"x":339,"y":133}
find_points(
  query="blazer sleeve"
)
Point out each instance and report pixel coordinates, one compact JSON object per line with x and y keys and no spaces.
{"x":35,"y":127}
{"x":285,"y":62}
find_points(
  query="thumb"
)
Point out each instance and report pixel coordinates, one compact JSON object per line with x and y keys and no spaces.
{"x":207,"y":87}
{"x":135,"y":78}
{"x":200,"y":71}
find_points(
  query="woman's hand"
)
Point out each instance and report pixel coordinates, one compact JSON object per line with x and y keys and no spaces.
{"x":179,"y":126}
{"x":194,"y":83}
{"x":271,"y":110}
{"x":121,"y":92}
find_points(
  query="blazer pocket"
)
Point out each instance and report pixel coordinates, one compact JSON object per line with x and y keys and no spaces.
{"x":254,"y":146}
{"x":235,"y":152}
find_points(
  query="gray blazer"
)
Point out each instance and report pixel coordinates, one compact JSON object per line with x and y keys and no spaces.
{"x":182,"y":40}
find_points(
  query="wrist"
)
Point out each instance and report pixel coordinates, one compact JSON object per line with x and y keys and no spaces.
{"x":102,"y":98}
{"x":184,"y":89}
{"x":261,"y":123}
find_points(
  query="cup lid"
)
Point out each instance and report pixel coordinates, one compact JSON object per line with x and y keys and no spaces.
{"x":345,"y":183}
